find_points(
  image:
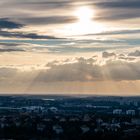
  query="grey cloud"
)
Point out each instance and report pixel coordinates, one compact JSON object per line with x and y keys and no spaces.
{"x":5,"y":23}
{"x":114,"y":15}
{"x":126,"y":58}
{"x":48,"y":20}
{"x":113,"y":10}
{"x":25,"y":35}
{"x":81,"y":71}
{"x":107,"y":54}
{"x":77,"y":49}
{"x":122,"y":70}
{"x":118,"y":32}
{"x":57,"y":45}
{"x":88,"y":61}
{"x":136,"y":53}
{"x":41,"y":5}
{"x":48,"y":4}
{"x":11,"y":47}
{"x":121,"y":55}
{"x":66,"y":3}
{"x":9,"y":44}
{"x":11,"y":50}
{"x":119,"y":4}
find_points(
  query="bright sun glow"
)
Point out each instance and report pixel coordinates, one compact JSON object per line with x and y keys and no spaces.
{"x":85,"y":23}
{"x":84,"y":14}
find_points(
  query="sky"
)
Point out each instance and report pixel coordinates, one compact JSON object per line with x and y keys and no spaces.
{"x":70,"y":47}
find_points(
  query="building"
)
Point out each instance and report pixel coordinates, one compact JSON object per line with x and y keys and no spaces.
{"x":84,"y":128}
{"x":136,"y":121}
{"x":117,"y":111}
{"x":58,"y":129}
{"x":130,"y":112}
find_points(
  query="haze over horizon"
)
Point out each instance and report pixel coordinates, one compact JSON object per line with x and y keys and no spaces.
{"x":70,"y":46}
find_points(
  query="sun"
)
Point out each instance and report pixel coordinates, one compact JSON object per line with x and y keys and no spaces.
{"x":86,"y":23}
{"x":84,"y":14}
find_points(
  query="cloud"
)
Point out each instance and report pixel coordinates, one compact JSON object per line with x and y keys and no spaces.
{"x":122,"y":70}
{"x":40,"y":5}
{"x":25,"y":35}
{"x":83,"y":70}
{"x":127,"y":58}
{"x":136,"y":53}
{"x":6,"y":73}
{"x":5,"y":23}
{"x":48,"y":20}
{"x":113,"y":10}
{"x":133,"y":4}
{"x":9,"y":44}
{"x":113,"y":16}
{"x":56,"y":12}
{"x":56,"y":45}
{"x":11,"y":50}
{"x":116,"y":32}
{"x":107,"y":54}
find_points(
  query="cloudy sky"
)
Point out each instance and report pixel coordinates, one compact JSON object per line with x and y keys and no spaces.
{"x":70,"y":46}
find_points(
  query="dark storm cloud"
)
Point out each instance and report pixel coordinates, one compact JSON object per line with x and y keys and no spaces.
{"x":5,"y":23}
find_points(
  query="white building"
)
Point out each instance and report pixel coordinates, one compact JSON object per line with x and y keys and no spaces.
{"x":130,"y":112}
{"x":58,"y":129}
{"x":53,"y":109}
{"x":117,"y":111}
{"x":85,"y":128}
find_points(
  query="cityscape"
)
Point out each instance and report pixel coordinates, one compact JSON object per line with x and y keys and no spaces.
{"x":60,"y":117}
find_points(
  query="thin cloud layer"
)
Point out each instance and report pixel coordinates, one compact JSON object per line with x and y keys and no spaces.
{"x":23,"y":35}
